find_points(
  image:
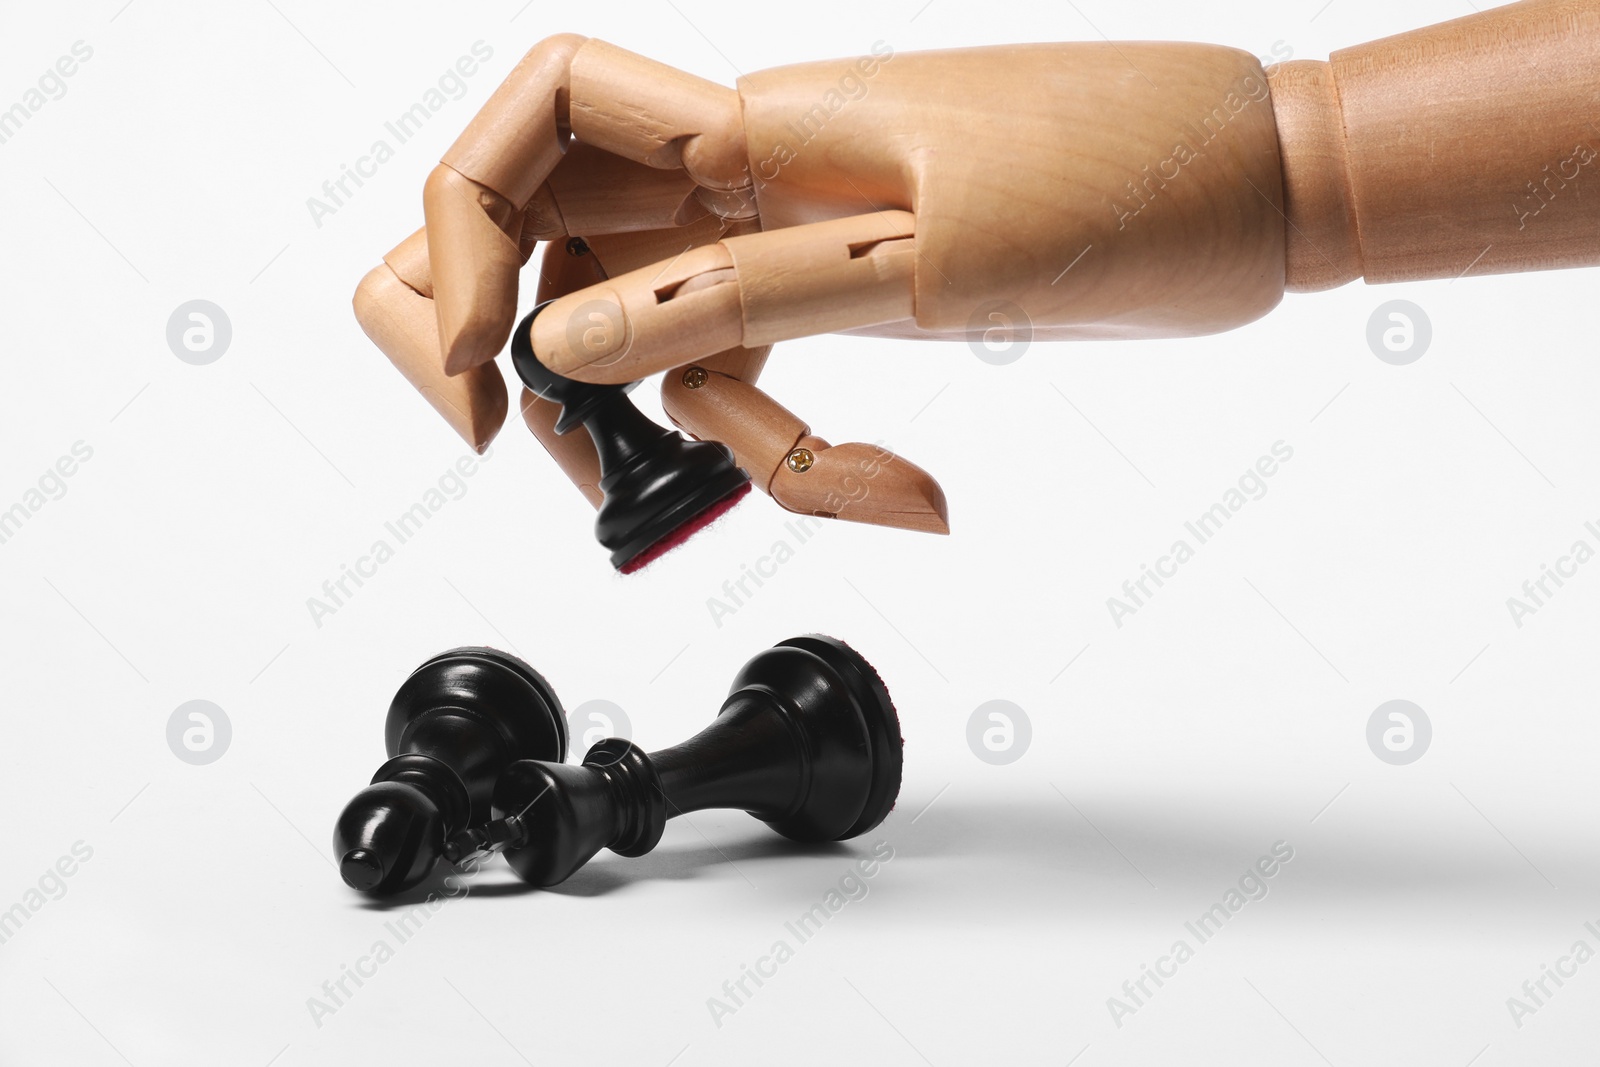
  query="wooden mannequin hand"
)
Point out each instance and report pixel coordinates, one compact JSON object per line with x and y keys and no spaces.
{"x":1081,"y":190}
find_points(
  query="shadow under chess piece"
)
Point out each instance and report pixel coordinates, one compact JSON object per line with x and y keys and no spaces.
{"x":660,"y":487}
{"x":455,"y":724}
{"x":807,"y":741}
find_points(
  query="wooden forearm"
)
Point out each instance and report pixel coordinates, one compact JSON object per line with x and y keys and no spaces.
{"x":1462,"y":146}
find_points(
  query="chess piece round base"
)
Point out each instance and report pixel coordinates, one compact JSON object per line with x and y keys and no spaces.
{"x":494,"y":687}
{"x":662,"y":493}
{"x":837,"y":699}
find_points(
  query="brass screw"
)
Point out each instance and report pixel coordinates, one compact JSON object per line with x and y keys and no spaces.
{"x":695,"y":377}
{"x":801,"y":459}
{"x":577,"y":247}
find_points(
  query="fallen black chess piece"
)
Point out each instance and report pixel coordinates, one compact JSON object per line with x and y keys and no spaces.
{"x":807,"y":741}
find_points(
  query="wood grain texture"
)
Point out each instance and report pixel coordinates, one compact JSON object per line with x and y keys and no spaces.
{"x":825,"y":276}
{"x":760,"y":431}
{"x":516,"y":140}
{"x":1323,"y":249}
{"x":1126,"y":190}
{"x":1473,"y":144}
{"x":393,"y":305}
{"x":595,"y":192}
{"x":645,"y":110}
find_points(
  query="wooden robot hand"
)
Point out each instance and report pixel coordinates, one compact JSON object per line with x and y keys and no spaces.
{"x":1089,"y":190}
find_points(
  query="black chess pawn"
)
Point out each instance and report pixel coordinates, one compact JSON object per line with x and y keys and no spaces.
{"x":455,"y":724}
{"x":807,"y":741}
{"x":659,"y":486}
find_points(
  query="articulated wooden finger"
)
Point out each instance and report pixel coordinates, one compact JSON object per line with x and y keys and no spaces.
{"x":860,"y":483}
{"x":513,"y":144}
{"x":609,"y":254}
{"x":601,"y":192}
{"x":618,"y":253}
{"x":614,"y":100}
{"x":475,"y":252}
{"x":802,"y":472}
{"x":714,"y":406}
{"x":656,"y":114}
{"x":565,"y":267}
{"x":573,"y":452}
{"x":394,"y":307}
{"x":749,"y":290}
{"x":477,"y":200}
{"x":745,"y":364}
{"x":856,"y":271}
{"x":594,"y":192}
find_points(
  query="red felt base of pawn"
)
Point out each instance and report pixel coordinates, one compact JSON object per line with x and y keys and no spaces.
{"x":686,"y":531}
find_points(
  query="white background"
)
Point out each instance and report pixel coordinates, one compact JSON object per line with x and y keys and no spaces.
{"x":1166,"y":754}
